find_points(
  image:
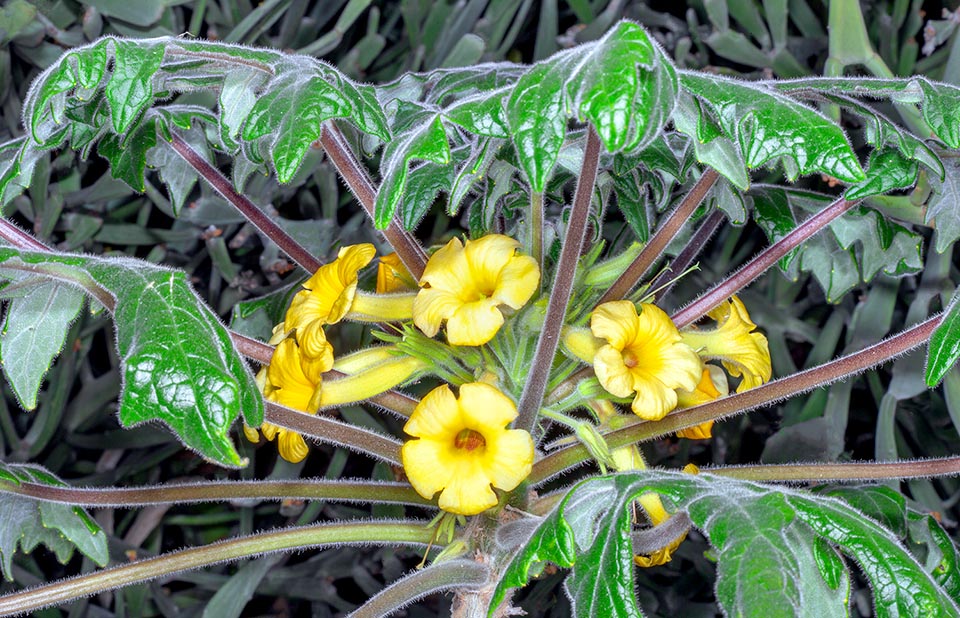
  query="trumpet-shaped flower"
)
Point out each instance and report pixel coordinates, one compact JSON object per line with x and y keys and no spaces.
{"x":294,"y":380}
{"x":393,"y":276}
{"x":463,"y":447}
{"x":466,"y":286}
{"x":643,"y":356}
{"x":734,"y":343}
{"x":713,"y":384}
{"x":329,"y":293}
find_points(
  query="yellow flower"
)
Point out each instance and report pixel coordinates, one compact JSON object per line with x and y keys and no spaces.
{"x":393,"y":276}
{"x":643,"y":356}
{"x":467,"y":284}
{"x":743,"y":352}
{"x":293,"y":380}
{"x":329,"y":293}
{"x":464,"y":447}
{"x":713,"y":384}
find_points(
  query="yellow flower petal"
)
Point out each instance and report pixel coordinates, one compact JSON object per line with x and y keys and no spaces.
{"x":743,"y":352}
{"x":465,"y":285}
{"x":474,"y":323}
{"x":252,"y":434}
{"x":327,"y":295}
{"x":644,"y":355}
{"x":393,"y":276}
{"x":463,"y":447}
{"x":713,"y":384}
{"x":291,"y":446}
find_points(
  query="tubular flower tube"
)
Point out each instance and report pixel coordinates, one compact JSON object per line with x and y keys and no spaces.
{"x":644,"y":356}
{"x":371,"y":381}
{"x":734,"y":343}
{"x":466,"y":286}
{"x":713,"y":385}
{"x":463,"y":447}
{"x":293,"y":380}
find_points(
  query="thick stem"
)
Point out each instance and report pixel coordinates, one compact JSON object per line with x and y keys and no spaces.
{"x":665,"y":281}
{"x":849,"y":471}
{"x":248,"y":209}
{"x":338,"y":433}
{"x":453,"y":575}
{"x":659,"y":241}
{"x":20,"y":239}
{"x":408,"y":249}
{"x":726,"y":407}
{"x":532,"y":397}
{"x":216,"y":491}
{"x":755,"y":267}
{"x":400,"y":533}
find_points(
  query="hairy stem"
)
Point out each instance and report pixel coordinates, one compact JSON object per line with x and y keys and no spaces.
{"x":532,"y":396}
{"x":662,"y":285}
{"x":248,"y":209}
{"x":453,"y":575}
{"x":408,"y":249}
{"x":726,"y":407}
{"x":338,"y":433}
{"x":755,"y":267}
{"x":217,"y":491}
{"x":659,"y":241}
{"x":848,"y":471}
{"x":536,"y":228}
{"x":400,"y":533}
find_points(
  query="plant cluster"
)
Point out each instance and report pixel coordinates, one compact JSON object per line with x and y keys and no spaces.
{"x":510,"y":354}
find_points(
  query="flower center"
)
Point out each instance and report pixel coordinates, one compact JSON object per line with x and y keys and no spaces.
{"x":469,"y":440}
{"x":630,"y":359}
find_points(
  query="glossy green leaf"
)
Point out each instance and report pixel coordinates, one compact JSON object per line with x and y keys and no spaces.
{"x":130,"y":88}
{"x":29,"y":522}
{"x":769,"y":126}
{"x":537,"y":116}
{"x":772,"y":212}
{"x":312,"y":102}
{"x":34,"y":331}
{"x":721,"y":154}
{"x":482,"y":114}
{"x":899,"y":583}
{"x":939,"y":102}
{"x":944,"y":346}
{"x":425,"y":140}
{"x":767,"y":561}
{"x":179,"y":365}
{"x":128,"y":157}
{"x":888,"y":170}
{"x":879,"y":502}
{"x":238,"y":94}
{"x":615,"y":88}
{"x":632,"y":202}
{"x":424,"y":184}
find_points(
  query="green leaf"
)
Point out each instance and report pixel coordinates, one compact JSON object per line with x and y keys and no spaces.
{"x":238,"y":94}
{"x":29,"y":522}
{"x":537,"y":116}
{"x":943,"y":207}
{"x":710,"y":148}
{"x":768,"y":563}
{"x":130,"y":88}
{"x":883,"y":245}
{"x":313,"y":102}
{"x":771,"y":211}
{"x":900,"y":585}
{"x":883,"y":504}
{"x":425,"y":140}
{"x":177,"y":174}
{"x":482,"y":114}
{"x":942,"y":558}
{"x":625,"y":87}
{"x":33,"y":334}
{"x":888,"y":170}
{"x":179,"y":365}
{"x":944,"y":346}
{"x":769,"y":126}
{"x":128,"y":157}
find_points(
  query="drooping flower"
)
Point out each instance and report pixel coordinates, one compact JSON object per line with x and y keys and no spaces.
{"x":294,"y":380}
{"x":393,"y":276}
{"x":467,"y":284}
{"x":463,"y":447}
{"x":329,"y":293}
{"x":734,"y":343}
{"x":712,"y":385}
{"x":643,"y":357}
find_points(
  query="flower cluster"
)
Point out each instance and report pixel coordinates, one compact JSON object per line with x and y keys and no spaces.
{"x":462,"y":449}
